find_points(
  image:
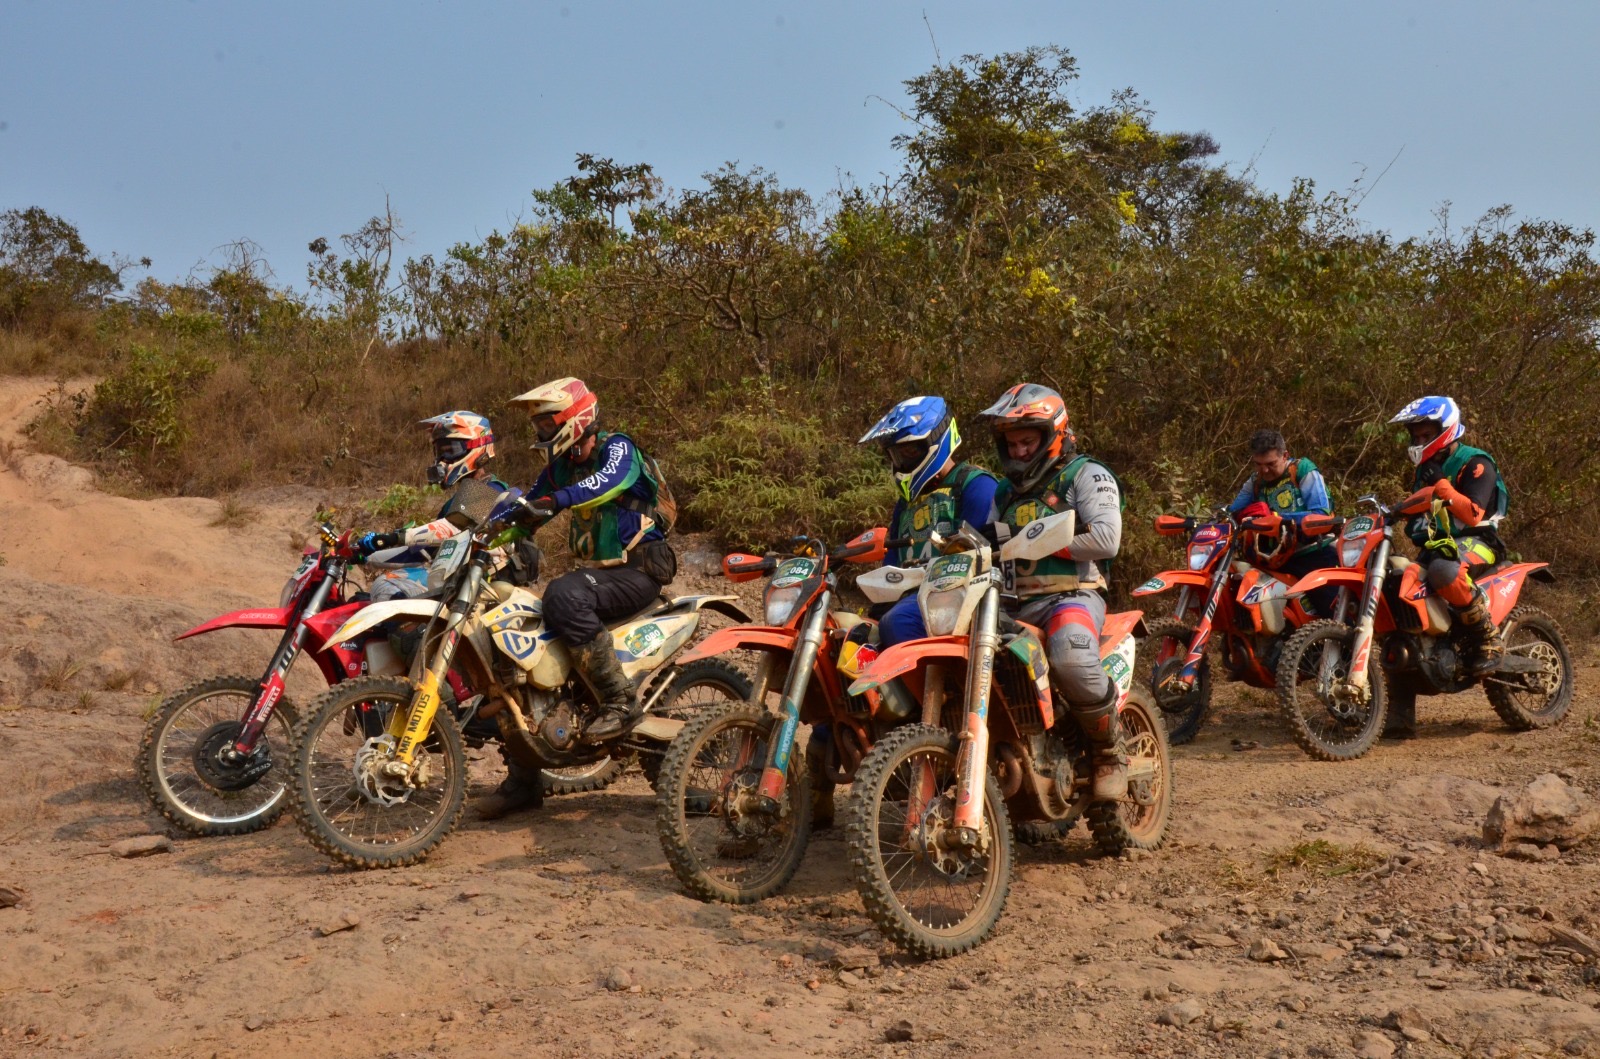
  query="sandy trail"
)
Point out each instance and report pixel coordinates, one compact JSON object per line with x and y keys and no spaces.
{"x":503,"y":943}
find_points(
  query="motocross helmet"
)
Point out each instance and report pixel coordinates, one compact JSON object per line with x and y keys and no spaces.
{"x":462,"y":441}
{"x":564,"y":413}
{"x":918,"y":437}
{"x":1441,"y":410}
{"x":1029,"y":406}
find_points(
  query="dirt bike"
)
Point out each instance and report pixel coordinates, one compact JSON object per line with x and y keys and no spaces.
{"x":378,"y":782}
{"x":213,"y":753}
{"x":1335,"y":700}
{"x":734,"y":810}
{"x":929,"y":836}
{"x":1218,"y":595}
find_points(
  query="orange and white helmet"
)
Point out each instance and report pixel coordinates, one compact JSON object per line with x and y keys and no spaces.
{"x":461,"y":442}
{"x":564,"y":412}
{"x":1029,"y":406}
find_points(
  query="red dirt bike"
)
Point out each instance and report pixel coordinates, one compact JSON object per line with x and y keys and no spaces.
{"x":1218,"y":595}
{"x":734,"y":809}
{"x":1335,"y":699}
{"x":929,"y":835}
{"x":212,"y":757}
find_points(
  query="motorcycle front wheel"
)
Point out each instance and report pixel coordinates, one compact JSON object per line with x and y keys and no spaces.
{"x":1326,"y":718}
{"x":347,"y":805}
{"x":1186,"y":711}
{"x":931,"y":897}
{"x":181,"y":767}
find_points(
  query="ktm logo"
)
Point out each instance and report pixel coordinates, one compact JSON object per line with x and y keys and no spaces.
{"x":1477,"y":472}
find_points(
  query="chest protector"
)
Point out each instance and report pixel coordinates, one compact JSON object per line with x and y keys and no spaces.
{"x":594,"y":531}
{"x":1459,"y":458}
{"x":1050,"y":575}
{"x":935,"y":511}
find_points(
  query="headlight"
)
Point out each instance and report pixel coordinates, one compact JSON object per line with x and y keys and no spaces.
{"x":1350,"y":552}
{"x":940,"y":610}
{"x":287,"y":595}
{"x":1200,"y":556}
{"x":781,"y":603}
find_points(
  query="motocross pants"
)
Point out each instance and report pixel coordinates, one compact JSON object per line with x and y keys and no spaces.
{"x":902,"y":623}
{"x":1072,"y":624}
{"x":1451,"y":579}
{"x":578,"y":605}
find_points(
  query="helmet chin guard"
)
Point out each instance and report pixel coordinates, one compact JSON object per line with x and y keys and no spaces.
{"x":462,"y":442}
{"x":1441,"y":410}
{"x":1029,"y":406}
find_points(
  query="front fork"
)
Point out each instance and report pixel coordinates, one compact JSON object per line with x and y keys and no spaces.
{"x":1202,"y":634}
{"x":270,"y":692}
{"x":812,"y":632}
{"x":410,"y":727}
{"x":1361,"y":651}
{"x":972,"y":756}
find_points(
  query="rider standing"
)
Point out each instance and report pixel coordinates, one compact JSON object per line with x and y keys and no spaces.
{"x":1462,"y":536}
{"x":1062,"y":594}
{"x":1290,"y":489}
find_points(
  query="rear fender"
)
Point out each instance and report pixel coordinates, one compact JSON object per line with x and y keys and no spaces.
{"x":378,"y":613}
{"x":902,"y":658}
{"x":259,"y":618}
{"x":1118,"y":626}
{"x":1504,"y":586}
{"x":1338,"y":576}
{"x":743,"y":638}
{"x":1173,"y":579}
{"x":728,"y":605}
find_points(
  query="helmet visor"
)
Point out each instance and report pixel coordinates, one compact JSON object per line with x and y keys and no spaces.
{"x":449,"y":450}
{"x":545,"y":426}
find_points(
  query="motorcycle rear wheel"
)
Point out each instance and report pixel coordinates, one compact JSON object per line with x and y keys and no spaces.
{"x":929,"y":909}
{"x":1531,"y":632}
{"x":1185,"y":713}
{"x":1326,"y":729}
{"x":697,"y":688}
{"x":1130,"y":824}
{"x":333,"y":812}
{"x":577,"y":779}
{"x":718,"y":756}
{"x":166,"y":768}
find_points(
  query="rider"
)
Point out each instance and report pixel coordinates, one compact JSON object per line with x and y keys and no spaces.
{"x":621,"y":512}
{"x":1061,"y":594}
{"x":936,"y":494}
{"x":1467,"y":483}
{"x":1290,"y":489}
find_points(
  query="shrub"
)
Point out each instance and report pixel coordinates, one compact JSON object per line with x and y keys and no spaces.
{"x":144,"y":401}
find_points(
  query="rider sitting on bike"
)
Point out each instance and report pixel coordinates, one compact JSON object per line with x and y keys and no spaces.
{"x":1465,"y":536}
{"x":936,"y":495}
{"x":1290,"y":489}
{"x":1061,"y":594}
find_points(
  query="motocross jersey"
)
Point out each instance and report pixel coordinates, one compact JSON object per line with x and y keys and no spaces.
{"x":1083,"y":485}
{"x":1476,"y":476}
{"x":1300,"y":492}
{"x":965,"y":494}
{"x":610,"y":496}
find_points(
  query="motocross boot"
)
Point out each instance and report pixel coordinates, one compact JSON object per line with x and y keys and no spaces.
{"x":1099,"y":723}
{"x":818,"y":750}
{"x":1481,"y":646}
{"x":523,"y":788}
{"x":597,"y":660}
{"x":1401,"y":722}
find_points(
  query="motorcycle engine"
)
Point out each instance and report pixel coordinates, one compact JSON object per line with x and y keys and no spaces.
{"x":559,"y":727}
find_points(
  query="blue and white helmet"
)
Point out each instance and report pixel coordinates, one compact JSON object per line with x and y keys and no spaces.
{"x":1441,"y":410}
{"x":918,"y":437}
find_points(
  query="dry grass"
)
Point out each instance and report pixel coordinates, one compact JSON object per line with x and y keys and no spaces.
{"x":58,"y":676}
{"x":234,"y":514}
{"x":1321,"y":857}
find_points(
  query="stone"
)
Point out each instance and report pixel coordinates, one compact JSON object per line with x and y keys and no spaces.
{"x":143,"y":846}
{"x":1545,"y":812}
{"x":1537,"y":854}
{"x":962,"y":983}
{"x":1181,"y":1014}
{"x":854,"y":959}
{"x":1371,"y":1045}
{"x":254,"y":1022}
{"x":1265,"y":950}
{"x":1212,"y":941}
{"x":1412,"y":1024}
{"x":619,"y":980}
{"x":9,"y":897}
{"x":901,"y":1031}
{"x":850,"y":979}
{"x":345,"y":920}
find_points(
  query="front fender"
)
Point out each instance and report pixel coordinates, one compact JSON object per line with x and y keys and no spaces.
{"x":742,"y":638}
{"x":378,"y":613}
{"x":1333,"y":575}
{"x":259,"y":618}
{"x":902,"y":658}
{"x":1172,"y":579}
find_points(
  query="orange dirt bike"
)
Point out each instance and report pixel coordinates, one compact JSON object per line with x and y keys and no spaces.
{"x":929,"y":835}
{"x":1335,"y":699}
{"x":1218,"y":596}
{"x":734,"y":808}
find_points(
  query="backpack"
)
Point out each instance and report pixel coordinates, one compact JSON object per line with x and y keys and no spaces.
{"x":663,"y":511}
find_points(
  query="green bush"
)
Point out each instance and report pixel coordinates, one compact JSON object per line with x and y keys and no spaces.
{"x":144,"y":401}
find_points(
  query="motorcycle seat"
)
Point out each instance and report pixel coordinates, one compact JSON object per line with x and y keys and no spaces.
{"x":659,"y":603}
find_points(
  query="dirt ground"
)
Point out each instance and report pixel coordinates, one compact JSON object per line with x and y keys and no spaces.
{"x":562,"y":932}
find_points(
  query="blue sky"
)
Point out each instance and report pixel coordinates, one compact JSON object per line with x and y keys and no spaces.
{"x":168,"y":129}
